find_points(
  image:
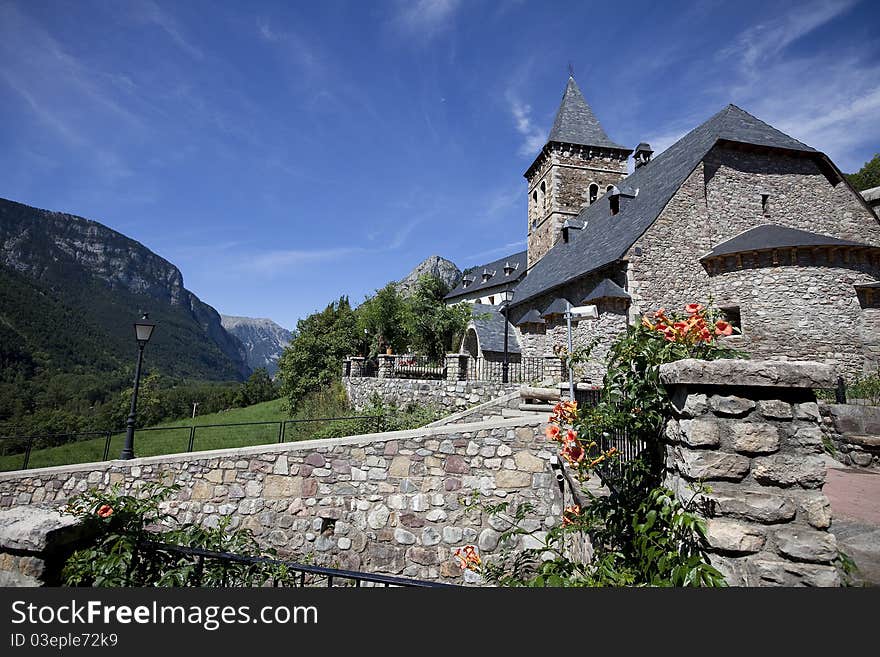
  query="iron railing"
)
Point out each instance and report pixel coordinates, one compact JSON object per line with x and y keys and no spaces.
{"x":416,"y":367}
{"x":524,"y":369}
{"x":306,"y":575}
{"x":193,"y":438}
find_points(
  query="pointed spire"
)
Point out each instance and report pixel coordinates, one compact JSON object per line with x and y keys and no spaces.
{"x":575,"y":122}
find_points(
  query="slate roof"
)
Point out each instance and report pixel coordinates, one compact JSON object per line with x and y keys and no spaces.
{"x":771,"y":236}
{"x":518,"y":260}
{"x":606,"y":289}
{"x":575,"y":122}
{"x":872,"y":195}
{"x":531,"y":317}
{"x":489,"y":324}
{"x":607,"y":237}
{"x":557,"y":307}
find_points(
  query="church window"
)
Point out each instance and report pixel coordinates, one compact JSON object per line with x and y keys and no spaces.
{"x":543,"y":194}
{"x":609,"y":188}
{"x":614,"y":200}
{"x":594,"y":193}
{"x":765,"y":204}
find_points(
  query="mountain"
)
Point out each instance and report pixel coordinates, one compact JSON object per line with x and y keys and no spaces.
{"x":434,"y":265}
{"x":70,"y":289}
{"x":263,"y":340}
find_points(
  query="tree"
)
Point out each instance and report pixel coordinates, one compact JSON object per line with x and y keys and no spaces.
{"x":433,"y":327}
{"x":314,"y":356}
{"x":257,"y":389}
{"x":384,"y":318}
{"x":866,"y":177}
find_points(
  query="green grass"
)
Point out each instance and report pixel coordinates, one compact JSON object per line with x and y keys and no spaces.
{"x":173,"y":437}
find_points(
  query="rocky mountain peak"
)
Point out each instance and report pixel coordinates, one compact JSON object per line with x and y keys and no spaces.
{"x":434,"y":265}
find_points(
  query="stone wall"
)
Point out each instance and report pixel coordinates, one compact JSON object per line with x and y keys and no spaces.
{"x":785,"y":310}
{"x":854,"y":432}
{"x":387,"y":503}
{"x":751,"y":431}
{"x":566,"y":172}
{"x":449,"y":396}
{"x":491,"y":409}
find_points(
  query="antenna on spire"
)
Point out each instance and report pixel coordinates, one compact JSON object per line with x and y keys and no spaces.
{"x":571,"y":69}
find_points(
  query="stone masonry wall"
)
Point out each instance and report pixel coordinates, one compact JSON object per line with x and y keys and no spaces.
{"x":722,"y":198}
{"x":750,"y":430}
{"x":567,"y":171}
{"x":387,"y":503}
{"x":854,"y":431}
{"x":450,"y":396}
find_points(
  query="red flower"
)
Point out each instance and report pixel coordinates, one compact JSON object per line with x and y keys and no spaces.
{"x":552,"y":432}
{"x":569,"y":514}
{"x":723,"y":328}
{"x":693,"y":308}
{"x":468,"y":558}
{"x":573,"y":452}
{"x":660,"y":313}
{"x":105,"y":511}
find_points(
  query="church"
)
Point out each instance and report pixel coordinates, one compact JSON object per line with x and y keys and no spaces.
{"x":735,"y":212}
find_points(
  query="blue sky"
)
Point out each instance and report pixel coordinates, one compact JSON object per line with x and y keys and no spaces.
{"x":285,"y":153}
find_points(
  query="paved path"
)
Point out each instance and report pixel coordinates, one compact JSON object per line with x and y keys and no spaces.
{"x":855,"y":505}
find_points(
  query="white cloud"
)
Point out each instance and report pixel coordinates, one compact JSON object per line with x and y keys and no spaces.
{"x":149,"y":11}
{"x":767,"y":39}
{"x":509,"y":248}
{"x":534,"y":137}
{"x":425,"y":18}
{"x":272,"y":261}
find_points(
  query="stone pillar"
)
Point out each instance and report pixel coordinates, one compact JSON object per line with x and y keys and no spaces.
{"x":35,"y":543}
{"x":553,"y":369}
{"x":357,"y":367}
{"x":386,"y":366}
{"x":457,"y":367}
{"x":750,"y":430}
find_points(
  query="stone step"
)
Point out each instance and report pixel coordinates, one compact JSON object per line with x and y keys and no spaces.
{"x":514,"y":412}
{"x":537,"y":408}
{"x":542,"y":394}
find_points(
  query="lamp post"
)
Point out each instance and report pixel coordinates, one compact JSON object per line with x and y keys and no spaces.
{"x":506,"y":296}
{"x":143,"y":331}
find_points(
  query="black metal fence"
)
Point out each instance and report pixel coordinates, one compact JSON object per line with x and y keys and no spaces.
{"x":294,"y":574}
{"x":43,"y":450}
{"x":417,"y":367}
{"x":524,"y":370}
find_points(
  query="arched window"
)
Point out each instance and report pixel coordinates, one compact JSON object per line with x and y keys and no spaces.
{"x":609,"y":188}
{"x":543,"y":194}
{"x":594,"y":193}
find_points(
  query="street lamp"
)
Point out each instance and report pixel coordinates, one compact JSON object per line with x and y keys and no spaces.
{"x":143,"y":331}
{"x":506,"y":296}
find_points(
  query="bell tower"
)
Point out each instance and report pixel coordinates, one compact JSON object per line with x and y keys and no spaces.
{"x":576,"y":166}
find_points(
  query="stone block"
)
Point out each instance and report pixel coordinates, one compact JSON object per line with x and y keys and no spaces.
{"x":814,"y":507}
{"x":513,"y":479}
{"x":527,"y":462}
{"x":378,"y":517}
{"x":730,"y":405}
{"x":33,"y":529}
{"x":809,"y":439}
{"x":710,"y":465}
{"x":399,"y":466}
{"x":752,"y":505}
{"x":488,"y":540}
{"x":733,"y":536}
{"x":805,"y":544}
{"x":775,"y":409}
{"x":772,"y":571}
{"x":385,"y":558}
{"x":701,"y":433}
{"x":403,"y":536}
{"x":430,"y":536}
{"x":755,"y":438}
{"x":455,"y":464}
{"x":759,"y":373}
{"x":282,"y":486}
{"x":787,"y":470}
{"x":424,"y":556}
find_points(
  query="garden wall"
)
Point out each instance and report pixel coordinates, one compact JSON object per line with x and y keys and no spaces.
{"x":751,"y":431}
{"x":386,"y":503}
{"x":854,"y":432}
{"x":450,"y":396}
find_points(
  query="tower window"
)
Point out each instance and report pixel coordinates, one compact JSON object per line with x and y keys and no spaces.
{"x":543,"y":194}
{"x":594,"y":193}
{"x":614,"y":200}
{"x":765,"y":204}
{"x":609,"y":188}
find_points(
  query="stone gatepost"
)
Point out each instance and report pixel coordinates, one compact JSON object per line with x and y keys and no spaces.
{"x":386,"y":366}
{"x":750,"y":430}
{"x":357,"y":367}
{"x":553,"y":369}
{"x":35,"y":543}
{"x":457,"y":367}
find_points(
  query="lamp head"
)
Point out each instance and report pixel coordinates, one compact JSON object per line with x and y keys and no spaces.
{"x":143,"y":329}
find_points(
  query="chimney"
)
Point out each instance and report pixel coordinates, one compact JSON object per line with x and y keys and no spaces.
{"x":642,"y":155}
{"x":569,"y":225}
